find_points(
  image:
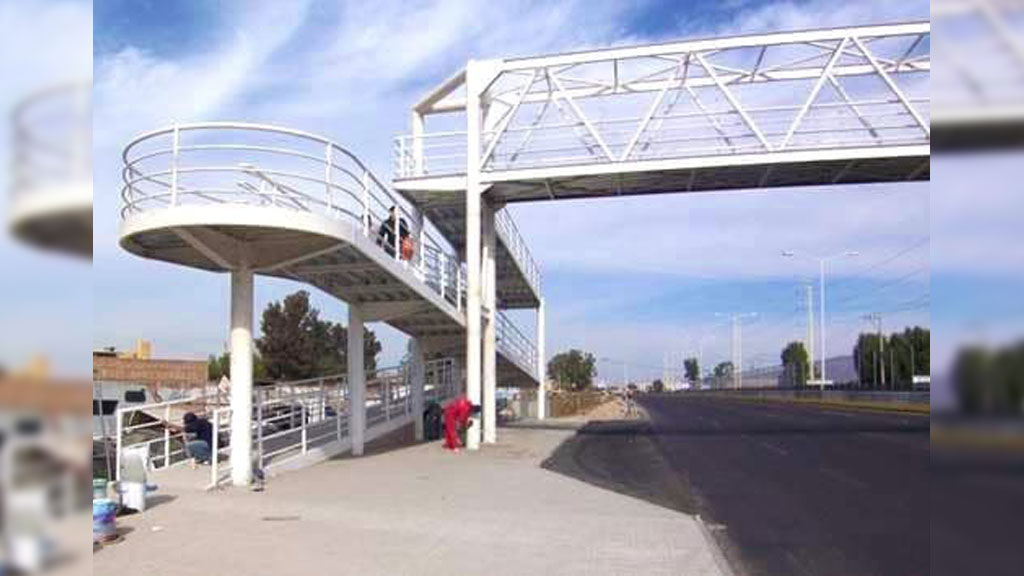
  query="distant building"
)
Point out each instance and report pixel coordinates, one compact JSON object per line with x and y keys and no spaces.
{"x":126,"y":378}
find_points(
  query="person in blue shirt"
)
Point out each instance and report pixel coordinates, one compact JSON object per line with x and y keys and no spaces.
{"x":199,"y":435}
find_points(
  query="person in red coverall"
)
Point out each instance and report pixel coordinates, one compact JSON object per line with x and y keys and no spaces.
{"x":456,"y":418}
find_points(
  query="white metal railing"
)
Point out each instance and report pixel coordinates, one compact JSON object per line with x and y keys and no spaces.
{"x":515,"y":345}
{"x":256,"y":165}
{"x":506,"y":227}
{"x":292,"y":417}
{"x":796,"y":91}
{"x":158,"y":428}
{"x":980,"y":44}
{"x":52,"y":139}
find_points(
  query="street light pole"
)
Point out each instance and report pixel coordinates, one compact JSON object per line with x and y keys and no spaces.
{"x":823,"y":354}
{"x":737,"y":346}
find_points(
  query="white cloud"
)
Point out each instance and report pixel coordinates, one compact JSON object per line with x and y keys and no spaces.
{"x":352,"y":75}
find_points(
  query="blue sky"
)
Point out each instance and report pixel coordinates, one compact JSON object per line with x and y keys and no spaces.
{"x":655,"y":269}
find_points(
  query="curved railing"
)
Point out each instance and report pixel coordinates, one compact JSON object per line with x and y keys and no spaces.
{"x":514,"y":345}
{"x":52,"y":139}
{"x":220,"y":163}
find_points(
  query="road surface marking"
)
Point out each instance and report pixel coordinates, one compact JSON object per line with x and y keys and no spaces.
{"x":774,"y":448}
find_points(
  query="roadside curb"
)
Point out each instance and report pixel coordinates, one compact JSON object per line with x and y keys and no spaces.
{"x":724,"y":568}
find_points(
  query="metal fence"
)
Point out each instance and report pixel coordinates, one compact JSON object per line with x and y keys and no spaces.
{"x":290,"y":419}
{"x":514,"y":345}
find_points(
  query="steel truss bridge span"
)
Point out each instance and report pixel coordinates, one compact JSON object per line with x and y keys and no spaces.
{"x":848,"y":105}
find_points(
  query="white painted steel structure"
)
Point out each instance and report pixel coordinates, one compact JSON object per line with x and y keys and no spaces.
{"x":979,"y":85}
{"x":252,"y":199}
{"x":814,"y":107}
{"x":51,"y":169}
{"x":294,"y":423}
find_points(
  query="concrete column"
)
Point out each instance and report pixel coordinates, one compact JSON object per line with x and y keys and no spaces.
{"x":473,"y":257}
{"x":241,"y":376}
{"x":417,"y":365}
{"x":356,"y":381}
{"x":490,"y":351}
{"x":542,"y":388}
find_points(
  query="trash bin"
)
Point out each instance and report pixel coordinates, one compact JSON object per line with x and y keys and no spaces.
{"x":433,"y":420}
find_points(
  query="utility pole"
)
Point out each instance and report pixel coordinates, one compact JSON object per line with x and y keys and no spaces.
{"x":821,"y":297}
{"x":809,"y":289}
{"x":876,"y":319}
{"x":737,"y":346}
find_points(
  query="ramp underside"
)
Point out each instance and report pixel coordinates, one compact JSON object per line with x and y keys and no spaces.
{"x":355,"y":271}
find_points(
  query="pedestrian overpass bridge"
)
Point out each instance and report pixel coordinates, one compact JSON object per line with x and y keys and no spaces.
{"x":837,"y":106}
{"x":250,"y":199}
{"x":801,"y":108}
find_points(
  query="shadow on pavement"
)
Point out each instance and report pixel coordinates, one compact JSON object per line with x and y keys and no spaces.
{"x":621,"y":456}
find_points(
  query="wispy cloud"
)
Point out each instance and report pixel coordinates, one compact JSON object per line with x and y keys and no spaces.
{"x":351,"y":70}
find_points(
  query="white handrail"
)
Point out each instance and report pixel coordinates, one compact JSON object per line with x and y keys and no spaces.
{"x":259,"y":165}
{"x":52,"y":138}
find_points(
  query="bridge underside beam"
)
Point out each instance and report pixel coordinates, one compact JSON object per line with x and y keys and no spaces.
{"x":577,"y":183}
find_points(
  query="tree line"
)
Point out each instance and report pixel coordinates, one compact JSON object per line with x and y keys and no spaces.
{"x":990,"y":382}
{"x":296,"y":344}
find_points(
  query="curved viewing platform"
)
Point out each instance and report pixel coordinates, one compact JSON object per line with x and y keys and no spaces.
{"x":846,"y":105}
{"x":290,"y":204}
{"x":51,"y":169}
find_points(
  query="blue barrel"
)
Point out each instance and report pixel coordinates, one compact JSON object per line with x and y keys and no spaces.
{"x":104,"y":527}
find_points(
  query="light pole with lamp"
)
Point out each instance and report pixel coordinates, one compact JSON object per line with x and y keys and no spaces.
{"x":821,"y":294}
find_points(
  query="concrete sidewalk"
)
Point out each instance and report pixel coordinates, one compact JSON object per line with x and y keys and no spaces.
{"x":414,"y":510}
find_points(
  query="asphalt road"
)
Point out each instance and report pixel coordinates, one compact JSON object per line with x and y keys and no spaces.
{"x":785,"y":489}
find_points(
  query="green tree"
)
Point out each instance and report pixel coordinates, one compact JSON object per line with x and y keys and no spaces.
{"x":909,"y":355}
{"x":657,"y":386}
{"x":297,"y":344}
{"x":868,"y":358}
{"x":990,"y":382}
{"x":723,"y":372}
{"x":574,"y":369}
{"x":219,"y":366}
{"x":692,"y":369}
{"x":971,"y":370}
{"x":796,"y":365}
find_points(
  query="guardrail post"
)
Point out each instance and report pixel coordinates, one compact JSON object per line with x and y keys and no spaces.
{"x":366,"y":202}
{"x":328,"y":167}
{"x":458,"y":288}
{"x":386,"y":386}
{"x":323,"y":401}
{"x":167,"y":437}
{"x":305,"y":433}
{"x":259,"y":431}
{"x":175,"y":150}
{"x":119,"y":426}
{"x":442,"y":262}
{"x":215,"y":452}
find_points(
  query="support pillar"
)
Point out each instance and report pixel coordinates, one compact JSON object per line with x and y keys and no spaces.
{"x":418,"y":375}
{"x":542,"y":388}
{"x":356,"y":381}
{"x":490,"y":350}
{"x":241,"y":376}
{"x":473,"y":256}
